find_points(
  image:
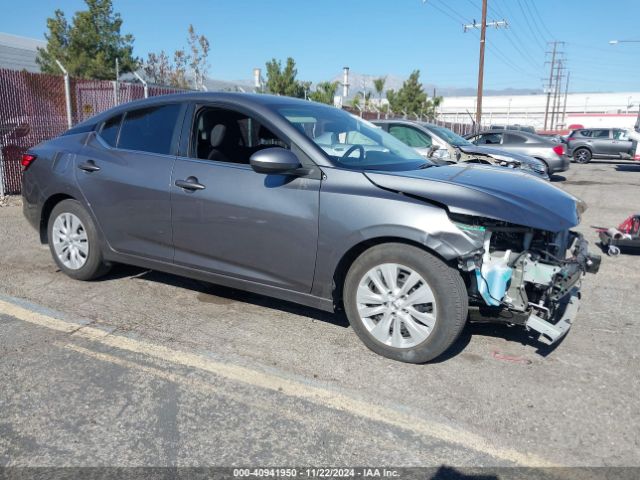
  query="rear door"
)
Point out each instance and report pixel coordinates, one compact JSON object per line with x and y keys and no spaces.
{"x":240,"y":223}
{"x":124,"y":173}
{"x":601,"y":142}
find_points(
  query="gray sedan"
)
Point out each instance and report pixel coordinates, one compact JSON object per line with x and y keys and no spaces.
{"x":305,"y":203}
{"x":551,"y":153}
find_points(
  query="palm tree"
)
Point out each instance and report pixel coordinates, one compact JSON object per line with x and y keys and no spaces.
{"x":378,"y":84}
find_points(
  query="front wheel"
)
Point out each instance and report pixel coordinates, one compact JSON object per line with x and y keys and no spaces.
{"x":73,"y":241}
{"x":405,"y":303}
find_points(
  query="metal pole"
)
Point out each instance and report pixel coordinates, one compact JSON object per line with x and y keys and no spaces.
{"x":566,"y":94}
{"x":116,"y":85}
{"x":508,"y":113}
{"x":483,"y":32}
{"x":553,"y":62}
{"x":67,"y":93}
{"x":1,"y":174}
{"x":144,"y":84}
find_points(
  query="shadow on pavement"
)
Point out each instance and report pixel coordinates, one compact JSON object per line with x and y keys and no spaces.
{"x":628,"y":167}
{"x":219,"y":295}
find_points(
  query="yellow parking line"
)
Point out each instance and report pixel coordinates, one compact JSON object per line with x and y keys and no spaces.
{"x":255,"y":378}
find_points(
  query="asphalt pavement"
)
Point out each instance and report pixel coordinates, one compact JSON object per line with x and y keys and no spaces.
{"x":148,"y":369}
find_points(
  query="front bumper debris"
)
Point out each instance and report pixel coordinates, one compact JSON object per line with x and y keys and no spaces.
{"x":537,"y":288}
{"x":550,"y":332}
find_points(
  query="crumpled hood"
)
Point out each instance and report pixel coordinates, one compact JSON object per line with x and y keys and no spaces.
{"x":492,"y":192}
{"x":471,"y":149}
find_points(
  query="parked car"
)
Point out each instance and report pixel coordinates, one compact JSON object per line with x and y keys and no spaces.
{"x":444,"y":146}
{"x":303,"y":202}
{"x":551,"y":153}
{"x":588,"y":143}
{"x":515,"y":126}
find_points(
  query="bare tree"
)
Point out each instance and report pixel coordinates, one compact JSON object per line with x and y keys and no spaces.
{"x":198,"y":60}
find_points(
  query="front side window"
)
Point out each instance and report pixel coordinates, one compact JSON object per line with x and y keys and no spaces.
{"x":489,"y":139}
{"x":410,"y":136}
{"x":348,"y":141}
{"x":620,"y":135}
{"x":149,"y":129}
{"x":229,"y":136}
{"x":109,"y":130}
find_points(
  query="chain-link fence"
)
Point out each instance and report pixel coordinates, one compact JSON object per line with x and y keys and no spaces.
{"x":33,"y":108}
{"x":457,"y":127}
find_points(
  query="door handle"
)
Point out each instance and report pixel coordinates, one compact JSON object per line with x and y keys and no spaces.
{"x":89,"y":166}
{"x":191,"y":183}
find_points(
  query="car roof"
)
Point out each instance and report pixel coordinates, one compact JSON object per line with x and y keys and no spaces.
{"x":239,"y":99}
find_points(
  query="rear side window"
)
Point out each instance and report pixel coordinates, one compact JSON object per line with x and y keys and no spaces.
{"x":600,"y":134}
{"x":149,"y":129}
{"x":109,"y":130}
{"x":512,"y":138}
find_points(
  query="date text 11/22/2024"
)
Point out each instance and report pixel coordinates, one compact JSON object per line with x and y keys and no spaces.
{"x":316,"y":472}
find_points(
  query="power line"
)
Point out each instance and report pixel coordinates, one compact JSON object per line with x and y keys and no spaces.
{"x":526,"y":19}
{"x":542,"y":22}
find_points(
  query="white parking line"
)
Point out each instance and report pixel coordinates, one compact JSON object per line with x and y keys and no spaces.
{"x":255,"y":378}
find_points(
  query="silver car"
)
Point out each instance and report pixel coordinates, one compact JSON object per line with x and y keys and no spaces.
{"x":442,"y":145}
{"x":551,"y":153}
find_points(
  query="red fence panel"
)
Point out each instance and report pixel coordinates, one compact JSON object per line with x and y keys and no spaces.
{"x":33,"y":109}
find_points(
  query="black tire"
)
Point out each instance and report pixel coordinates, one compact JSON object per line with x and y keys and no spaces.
{"x":445,"y":282}
{"x":582,"y":155}
{"x":94,"y":265}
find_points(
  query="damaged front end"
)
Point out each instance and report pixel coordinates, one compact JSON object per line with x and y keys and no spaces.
{"x":524,"y":276}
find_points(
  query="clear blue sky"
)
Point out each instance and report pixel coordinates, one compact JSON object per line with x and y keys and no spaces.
{"x":380,"y":37}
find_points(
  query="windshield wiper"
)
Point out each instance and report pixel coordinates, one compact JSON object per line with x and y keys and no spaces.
{"x":427,"y":165}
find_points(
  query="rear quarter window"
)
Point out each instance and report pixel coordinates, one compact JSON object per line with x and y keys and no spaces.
{"x":149,"y":129}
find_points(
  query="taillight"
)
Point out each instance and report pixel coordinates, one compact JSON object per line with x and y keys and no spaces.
{"x":559,"y":149}
{"x":27,"y":160}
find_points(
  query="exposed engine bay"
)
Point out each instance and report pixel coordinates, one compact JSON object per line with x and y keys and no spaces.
{"x":523,"y":276}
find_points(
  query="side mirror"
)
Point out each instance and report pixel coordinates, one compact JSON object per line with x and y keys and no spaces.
{"x":432,"y":149}
{"x":275,"y":160}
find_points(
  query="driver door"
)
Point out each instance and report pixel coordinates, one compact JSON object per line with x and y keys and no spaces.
{"x":237,"y":222}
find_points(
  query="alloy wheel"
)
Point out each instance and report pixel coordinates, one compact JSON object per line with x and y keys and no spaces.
{"x":582,"y":156}
{"x":70,"y":241}
{"x":396,"y":305}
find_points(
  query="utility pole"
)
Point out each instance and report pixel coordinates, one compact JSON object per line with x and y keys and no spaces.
{"x":553,"y":64}
{"x":556,"y":93}
{"x":483,"y":33}
{"x":566,"y":94}
{"x":555,"y":109}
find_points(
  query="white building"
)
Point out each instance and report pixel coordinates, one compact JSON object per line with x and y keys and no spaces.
{"x":19,"y":53}
{"x":587,"y":109}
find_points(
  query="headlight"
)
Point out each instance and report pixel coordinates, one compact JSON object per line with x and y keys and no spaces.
{"x":441,"y":154}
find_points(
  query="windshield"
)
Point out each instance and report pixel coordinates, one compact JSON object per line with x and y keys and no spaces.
{"x":449,"y":137}
{"x":349,"y":141}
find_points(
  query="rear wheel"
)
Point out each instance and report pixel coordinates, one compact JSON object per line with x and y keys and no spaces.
{"x":405,"y":303}
{"x":73,"y":241}
{"x":582,"y":155}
